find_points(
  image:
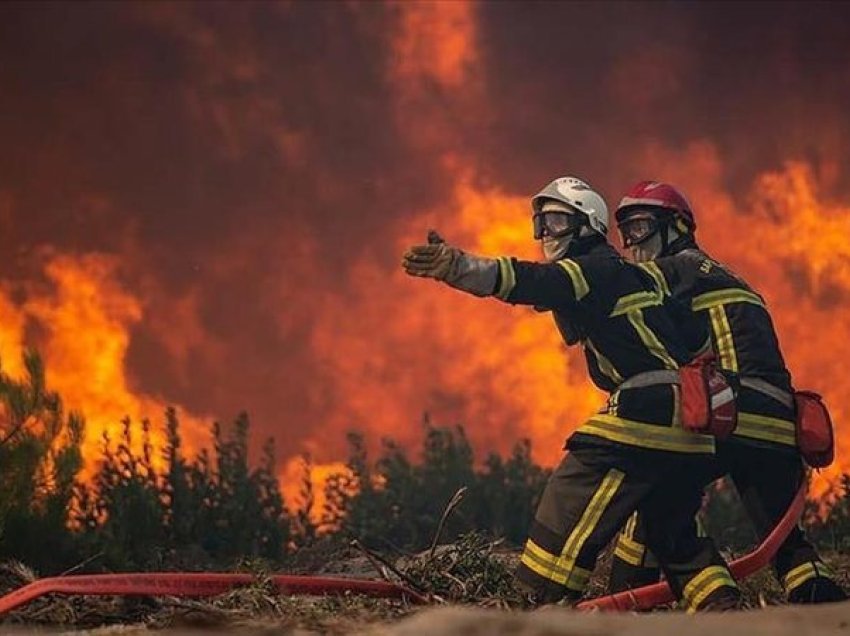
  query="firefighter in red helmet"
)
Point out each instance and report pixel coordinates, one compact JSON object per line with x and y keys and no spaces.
{"x":720,"y":312}
{"x":628,"y":456}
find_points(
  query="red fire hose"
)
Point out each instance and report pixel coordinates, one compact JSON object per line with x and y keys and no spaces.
{"x":649,"y":596}
{"x":212,"y":584}
{"x":195,"y":585}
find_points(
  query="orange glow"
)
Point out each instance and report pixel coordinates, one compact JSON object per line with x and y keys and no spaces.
{"x":292,"y":477}
{"x":259,"y":169}
{"x":790,"y":242}
{"x":419,"y":346}
{"x":84,"y":320}
{"x":435,"y":40}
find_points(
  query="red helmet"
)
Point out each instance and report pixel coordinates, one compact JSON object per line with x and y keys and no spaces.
{"x":656,"y":195}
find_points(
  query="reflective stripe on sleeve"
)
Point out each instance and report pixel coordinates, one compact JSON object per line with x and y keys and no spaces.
{"x":573,"y":269}
{"x":650,"y":340}
{"x":507,"y":276}
{"x":638,"y":300}
{"x":653,"y":270}
{"x":724,"y":297}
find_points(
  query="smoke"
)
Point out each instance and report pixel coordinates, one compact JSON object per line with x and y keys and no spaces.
{"x":205,"y":204}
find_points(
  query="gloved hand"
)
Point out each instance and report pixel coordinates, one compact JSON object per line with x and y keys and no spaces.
{"x":438,"y":260}
{"x":433,"y":260}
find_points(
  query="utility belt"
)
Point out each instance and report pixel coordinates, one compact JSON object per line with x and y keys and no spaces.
{"x":708,"y":402}
{"x":813,"y":423}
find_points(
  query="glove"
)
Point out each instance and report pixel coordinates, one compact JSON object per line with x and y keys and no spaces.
{"x":433,"y":260}
{"x":438,"y":260}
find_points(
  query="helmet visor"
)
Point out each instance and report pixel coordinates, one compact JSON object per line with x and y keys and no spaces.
{"x":637,"y":229}
{"x":557,"y":224}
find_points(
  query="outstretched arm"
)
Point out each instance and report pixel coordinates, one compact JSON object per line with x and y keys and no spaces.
{"x":476,"y":275}
{"x":549,"y":285}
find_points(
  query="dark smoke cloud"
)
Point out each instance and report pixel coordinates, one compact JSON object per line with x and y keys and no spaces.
{"x":583,"y":86}
{"x":239,"y":156}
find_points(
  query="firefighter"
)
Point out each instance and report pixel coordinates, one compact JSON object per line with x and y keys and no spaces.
{"x":629,"y":456}
{"x":719,"y":311}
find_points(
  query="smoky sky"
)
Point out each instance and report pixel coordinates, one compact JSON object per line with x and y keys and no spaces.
{"x":239,"y":157}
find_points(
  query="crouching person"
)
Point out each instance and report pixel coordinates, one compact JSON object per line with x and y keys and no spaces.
{"x":632,"y":455}
{"x":722,"y":314}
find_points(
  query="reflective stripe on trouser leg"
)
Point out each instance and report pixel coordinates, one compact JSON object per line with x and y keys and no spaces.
{"x":633,"y":564}
{"x":706,"y":583}
{"x":692,"y":565}
{"x":805,"y":572}
{"x":569,"y":529}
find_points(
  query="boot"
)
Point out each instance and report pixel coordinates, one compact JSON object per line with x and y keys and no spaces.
{"x":817,"y":590}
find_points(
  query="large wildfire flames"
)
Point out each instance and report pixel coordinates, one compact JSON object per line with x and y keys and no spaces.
{"x":386,"y":347}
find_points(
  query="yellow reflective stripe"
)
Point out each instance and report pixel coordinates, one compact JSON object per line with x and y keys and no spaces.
{"x":624,"y":554}
{"x":650,"y":340}
{"x":601,"y":498}
{"x":724,"y":297}
{"x":767,"y":429}
{"x":605,"y":365}
{"x":656,"y":437}
{"x":704,"y":583}
{"x":543,"y":563}
{"x":723,"y":338}
{"x":629,"y":550}
{"x":580,"y":285}
{"x":554,"y":568}
{"x":507,"y":276}
{"x":805,"y":572}
{"x":638,"y":300}
{"x":653,"y":270}
{"x":563,"y":569}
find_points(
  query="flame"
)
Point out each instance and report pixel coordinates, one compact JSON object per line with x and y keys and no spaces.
{"x":292,"y":476}
{"x":420,"y":346}
{"x":83,"y":319}
{"x":381,"y":348}
{"x":788,"y":239}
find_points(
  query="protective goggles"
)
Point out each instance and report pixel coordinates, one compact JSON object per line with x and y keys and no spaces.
{"x":638,"y":228}
{"x":557,"y":224}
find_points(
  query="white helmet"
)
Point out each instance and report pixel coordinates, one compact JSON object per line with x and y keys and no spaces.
{"x":579,"y":196}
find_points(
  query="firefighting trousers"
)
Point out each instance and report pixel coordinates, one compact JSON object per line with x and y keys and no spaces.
{"x":767,"y":481}
{"x":586,"y":502}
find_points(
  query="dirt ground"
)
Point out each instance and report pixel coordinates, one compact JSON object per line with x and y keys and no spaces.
{"x":831,"y":620}
{"x":259,"y":609}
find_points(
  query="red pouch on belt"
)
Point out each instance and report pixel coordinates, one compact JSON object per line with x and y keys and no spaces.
{"x":814,"y":429}
{"x":708,"y":402}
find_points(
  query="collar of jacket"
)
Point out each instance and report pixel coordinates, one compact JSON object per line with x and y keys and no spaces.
{"x":684,"y":242}
{"x":584,"y":245}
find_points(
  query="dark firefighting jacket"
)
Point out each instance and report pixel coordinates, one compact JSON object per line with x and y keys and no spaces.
{"x":615,"y":311}
{"x":718,"y":309}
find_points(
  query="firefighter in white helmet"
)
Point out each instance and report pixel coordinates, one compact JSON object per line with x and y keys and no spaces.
{"x":630,"y":454}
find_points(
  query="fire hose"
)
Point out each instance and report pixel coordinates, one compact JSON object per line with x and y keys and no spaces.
{"x":194,"y":584}
{"x":188,"y":584}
